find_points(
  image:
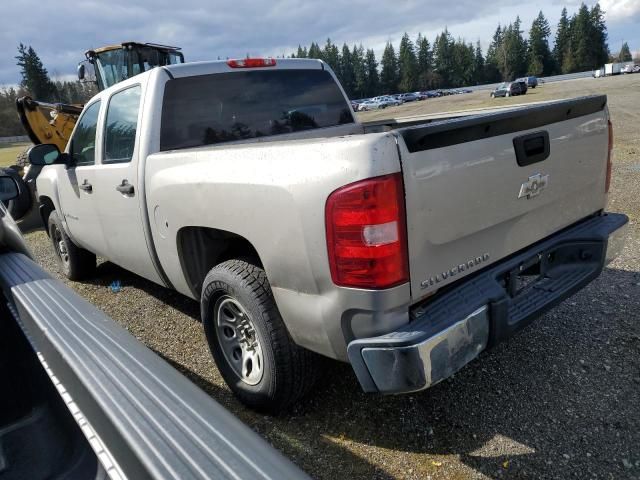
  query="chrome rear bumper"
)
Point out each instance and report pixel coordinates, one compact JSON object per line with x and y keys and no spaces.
{"x":449,"y":331}
{"x":418,"y":366}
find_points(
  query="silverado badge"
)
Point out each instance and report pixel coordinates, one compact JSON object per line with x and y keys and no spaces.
{"x":534,"y":186}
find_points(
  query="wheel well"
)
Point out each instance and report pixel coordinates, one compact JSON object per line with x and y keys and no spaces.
{"x":46,"y":207}
{"x":201,"y":248}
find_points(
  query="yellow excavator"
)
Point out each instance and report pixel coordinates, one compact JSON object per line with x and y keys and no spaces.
{"x":53,"y":122}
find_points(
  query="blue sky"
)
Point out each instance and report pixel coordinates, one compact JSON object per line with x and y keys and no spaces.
{"x":61,"y":31}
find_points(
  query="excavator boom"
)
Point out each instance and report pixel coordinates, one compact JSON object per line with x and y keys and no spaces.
{"x":47,"y":122}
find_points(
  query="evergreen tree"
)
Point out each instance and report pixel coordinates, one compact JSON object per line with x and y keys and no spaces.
{"x":478,"y":65}
{"x":347,"y":73}
{"x":492,"y":72}
{"x":35,"y":78}
{"x":372,"y":82}
{"x":407,"y":64}
{"x":425,"y":62}
{"x":563,"y":41}
{"x":302,"y":52}
{"x":443,"y":58}
{"x":625,"y":53}
{"x":359,"y":71}
{"x":516,"y":50}
{"x":463,"y":62}
{"x":539,"y":54}
{"x":599,"y":36}
{"x":389,"y":77}
{"x":581,"y":41}
{"x":331,"y":55}
{"x":315,"y":52}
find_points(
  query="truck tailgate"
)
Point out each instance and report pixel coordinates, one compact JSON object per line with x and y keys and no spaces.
{"x":472,"y":200}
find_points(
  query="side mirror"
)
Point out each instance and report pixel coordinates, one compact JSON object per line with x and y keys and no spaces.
{"x":8,"y":188}
{"x":44,"y":154}
{"x":86,"y":72}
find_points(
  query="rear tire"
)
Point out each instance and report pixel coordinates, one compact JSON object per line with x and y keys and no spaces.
{"x":249,"y":342}
{"x":75,"y":263}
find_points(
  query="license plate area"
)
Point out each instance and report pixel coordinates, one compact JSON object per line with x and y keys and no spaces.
{"x":542,"y":271}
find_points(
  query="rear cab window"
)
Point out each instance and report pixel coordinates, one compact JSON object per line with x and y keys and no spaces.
{"x":225,"y":107}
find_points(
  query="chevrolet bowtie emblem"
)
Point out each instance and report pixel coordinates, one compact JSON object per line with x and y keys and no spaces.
{"x":532,"y":187}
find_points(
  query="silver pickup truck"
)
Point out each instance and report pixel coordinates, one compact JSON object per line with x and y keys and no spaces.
{"x":405,"y":249}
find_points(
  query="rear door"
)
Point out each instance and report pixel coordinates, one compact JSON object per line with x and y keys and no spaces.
{"x":76,"y":185}
{"x":117,"y":191}
{"x":472,"y":200}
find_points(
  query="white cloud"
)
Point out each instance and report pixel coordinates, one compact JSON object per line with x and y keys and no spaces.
{"x":621,"y":10}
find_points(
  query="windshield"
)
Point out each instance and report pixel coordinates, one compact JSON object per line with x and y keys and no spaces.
{"x":111,"y":68}
{"x":118,"y":64}
{"x":224,"y":107}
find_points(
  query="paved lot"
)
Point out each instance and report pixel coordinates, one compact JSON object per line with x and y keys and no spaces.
{"x":560,"y":400}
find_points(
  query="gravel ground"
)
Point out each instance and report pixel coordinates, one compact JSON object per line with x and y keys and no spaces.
{"x":559,"y":400}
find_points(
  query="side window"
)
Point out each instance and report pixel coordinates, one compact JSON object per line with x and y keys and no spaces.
{"x":120,"y":126}
{"x":83,"y":143}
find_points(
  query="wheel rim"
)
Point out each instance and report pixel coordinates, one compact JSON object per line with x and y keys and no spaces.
{"x":59,"y":245}
{"x":238,"y":340}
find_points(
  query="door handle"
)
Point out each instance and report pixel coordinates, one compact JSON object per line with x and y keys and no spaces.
{"x":125,"y":187}
{"x":86,"y":186}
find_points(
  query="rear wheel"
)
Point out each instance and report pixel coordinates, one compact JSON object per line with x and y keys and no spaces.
{"x":76,"y":263}
{"x":249,"y":342}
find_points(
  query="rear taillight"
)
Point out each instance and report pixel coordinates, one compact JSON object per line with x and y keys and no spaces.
{"x":607,"y":183}
{"x":367,"y":233}
{"x":252,"y":62}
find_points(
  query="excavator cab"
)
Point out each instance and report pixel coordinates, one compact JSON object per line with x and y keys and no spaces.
{"x":112,"y":64}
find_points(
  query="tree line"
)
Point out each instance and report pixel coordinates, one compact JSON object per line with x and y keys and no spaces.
{"x":580,"y":44}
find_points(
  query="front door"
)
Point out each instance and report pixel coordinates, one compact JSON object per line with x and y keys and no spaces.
{"x":117,"y":194}
{"x":76,"y":184}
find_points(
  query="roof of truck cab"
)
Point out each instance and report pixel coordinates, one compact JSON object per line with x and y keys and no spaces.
{"x":220,"y":66}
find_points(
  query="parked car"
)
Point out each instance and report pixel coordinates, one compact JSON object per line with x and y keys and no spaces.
{"x":507,"y":89}
{"x":327,"y":237}
{"x":82,"y":398}
{"x":371,"y":105}
{"x":531,"y":81}
{"x":408,"y":97}
{"x":523,"y":87}
{"x":391,"y":100}
{"x":630,"y":68}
